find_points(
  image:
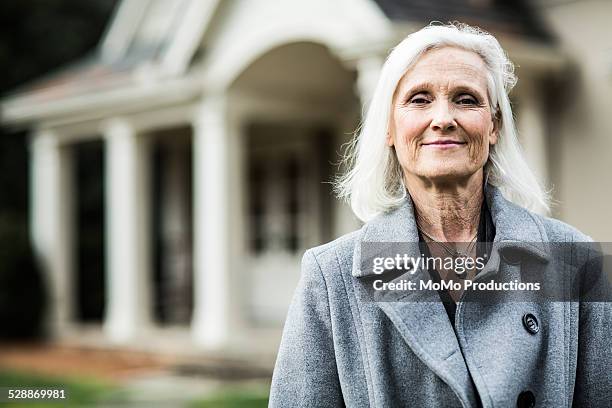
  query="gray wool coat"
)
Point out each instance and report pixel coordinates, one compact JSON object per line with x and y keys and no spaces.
{"x":341,"y":349}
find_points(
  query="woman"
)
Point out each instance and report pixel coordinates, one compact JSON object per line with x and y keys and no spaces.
{"x":437,"y":162}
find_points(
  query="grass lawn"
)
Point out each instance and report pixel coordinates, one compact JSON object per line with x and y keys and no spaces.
{"x":80,"y":391}
{"x":85,"y":392}
{"x":233,"y":399}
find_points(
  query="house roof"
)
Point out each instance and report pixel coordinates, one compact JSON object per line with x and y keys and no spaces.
{"x":151,"y":40}
{"x":145,"y":38}
{"x":86,"y":75}
{"x":508,"y":16}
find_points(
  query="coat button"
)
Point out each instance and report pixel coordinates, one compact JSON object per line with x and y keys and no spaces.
{"x":531,"y":323}
{"x":526,"y":399}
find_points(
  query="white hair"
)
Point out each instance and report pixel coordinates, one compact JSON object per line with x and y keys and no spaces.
{"x":374,"y":183}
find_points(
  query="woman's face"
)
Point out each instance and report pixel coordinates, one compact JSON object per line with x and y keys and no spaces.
{"x":441,"y":121}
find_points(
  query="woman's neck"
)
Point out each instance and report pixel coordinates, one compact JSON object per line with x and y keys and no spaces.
{"x":447,"y":211}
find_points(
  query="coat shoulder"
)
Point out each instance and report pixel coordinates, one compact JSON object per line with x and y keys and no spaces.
{"x":336,"y":253}
{"x":559,"y":231}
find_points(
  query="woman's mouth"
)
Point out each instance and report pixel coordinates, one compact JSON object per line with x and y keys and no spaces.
{"x":444,"y":144}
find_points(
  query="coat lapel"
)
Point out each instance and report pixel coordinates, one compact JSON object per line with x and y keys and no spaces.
{"x":419,"y":316}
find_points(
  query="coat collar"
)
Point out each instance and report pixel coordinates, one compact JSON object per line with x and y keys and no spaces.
{"x":516,"y":228}
{"x":420,"y":317}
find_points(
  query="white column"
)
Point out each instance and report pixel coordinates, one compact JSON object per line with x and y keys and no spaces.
{"x":368,"y":72}
{"x":52,"y":224}
{"x":532,"y":128}
{"x":128,"y":308}
{"x":212,"y":320}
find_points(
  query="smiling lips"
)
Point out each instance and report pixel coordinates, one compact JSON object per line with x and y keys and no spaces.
{"x":444,"y":144}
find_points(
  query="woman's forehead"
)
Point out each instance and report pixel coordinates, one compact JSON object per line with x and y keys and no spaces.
{"x":447,"y":65}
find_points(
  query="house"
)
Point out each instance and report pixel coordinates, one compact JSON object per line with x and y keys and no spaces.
{"x":178,"y":174}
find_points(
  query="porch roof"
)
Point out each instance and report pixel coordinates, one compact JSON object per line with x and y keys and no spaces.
{"x":150,"y":45}
{"x":147,"y":43}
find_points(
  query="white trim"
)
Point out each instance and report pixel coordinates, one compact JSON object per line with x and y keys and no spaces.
{"x":22,"y":110}
{"x":187,"y":39}
{"x":255,"y":27}
{"x":142,"y":122}
{"x":125,"y":21}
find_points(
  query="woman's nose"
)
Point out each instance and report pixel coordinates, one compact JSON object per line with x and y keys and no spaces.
{"x":442,"y":118}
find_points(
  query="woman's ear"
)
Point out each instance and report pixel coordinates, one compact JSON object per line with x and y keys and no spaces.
{"x":496,"y":117}
{"x":389,"y":139}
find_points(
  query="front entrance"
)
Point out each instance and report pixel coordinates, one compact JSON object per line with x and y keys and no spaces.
{"x":172,"y":215}
{"x":293,"y":108}
{"x":287,"y":210}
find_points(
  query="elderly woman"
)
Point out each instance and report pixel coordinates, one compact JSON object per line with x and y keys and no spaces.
{"x":437,"y":162}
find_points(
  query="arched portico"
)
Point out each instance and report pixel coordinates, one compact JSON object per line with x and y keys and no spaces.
{"x":261,"y":189}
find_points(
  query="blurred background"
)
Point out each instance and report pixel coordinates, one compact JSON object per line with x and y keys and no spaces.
{"x":165,"y":163}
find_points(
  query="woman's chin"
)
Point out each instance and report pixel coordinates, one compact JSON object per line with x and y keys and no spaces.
{"x":448,"y":174}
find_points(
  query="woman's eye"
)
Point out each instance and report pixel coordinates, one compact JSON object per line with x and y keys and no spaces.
{"x":419,"y":100}
{"x":467,"y":100}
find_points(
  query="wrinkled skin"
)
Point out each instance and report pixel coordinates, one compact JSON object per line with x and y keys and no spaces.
{"x":443,"y":97}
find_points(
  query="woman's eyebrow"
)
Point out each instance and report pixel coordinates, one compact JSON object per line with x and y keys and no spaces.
{"x":468,"y":89}
{"x":427,"y":86}
{"x":418,"y":87}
